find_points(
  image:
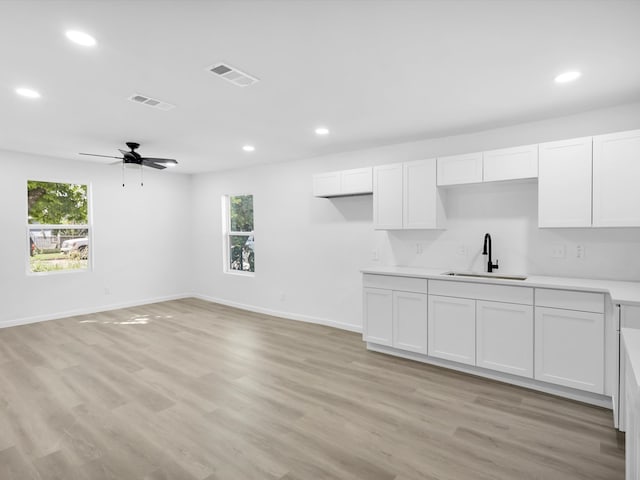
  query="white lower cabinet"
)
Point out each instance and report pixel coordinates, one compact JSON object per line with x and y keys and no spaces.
{"x":378,"y":312}
{"x":452,"y":329}
{"x":410,"y":321}
{"x":569,"y":348}
{"x":504,"y":337}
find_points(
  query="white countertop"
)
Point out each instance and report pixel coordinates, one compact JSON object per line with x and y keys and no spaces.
{"x":627,"y":293}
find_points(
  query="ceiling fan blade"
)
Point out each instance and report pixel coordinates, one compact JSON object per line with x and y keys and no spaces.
{"x":160,"y":160}
{"x":148,"y":162}
{"x":96,"y":155}
{"x":131,"y":155}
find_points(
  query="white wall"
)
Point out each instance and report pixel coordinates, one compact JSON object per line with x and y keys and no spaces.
{"x":164,"y":240}
{"x":141,"y":239}
{"x":309,"y":250}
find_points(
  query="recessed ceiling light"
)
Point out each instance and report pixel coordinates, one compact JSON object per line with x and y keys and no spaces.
{"x":80,"y":38}
{"x":27,"y":92}
{"x":322,"y":131}
{"x":567,"y":77}
{"x":248,"y":148}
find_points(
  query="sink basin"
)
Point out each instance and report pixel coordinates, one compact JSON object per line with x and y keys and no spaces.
{"x":485,"y":275}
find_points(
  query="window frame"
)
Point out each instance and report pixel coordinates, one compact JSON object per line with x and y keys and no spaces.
{"x":227,"y":233}
{"x":38,"y":226}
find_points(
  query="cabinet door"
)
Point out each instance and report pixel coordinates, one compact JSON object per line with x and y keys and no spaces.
{"x":422,"y":205}
{"x":410,"y":321}
{"x":356,"y":181}
{"x":569,"y":348}
{"x":564,"y":183}
{"x":387,"y":197}
{"x":452,"y":329}
{"x":616,"y":177}
{"x":510,"y":163}
{"x":459,"y":169}
{"x":504,"y":339}
{"x":378,"y":316}
{"x":326,"y":184}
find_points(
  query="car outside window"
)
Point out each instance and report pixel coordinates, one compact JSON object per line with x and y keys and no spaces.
{"x":58,"y":230}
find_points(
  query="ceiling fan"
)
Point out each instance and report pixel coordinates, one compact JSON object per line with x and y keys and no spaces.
{"x":134,"y":158}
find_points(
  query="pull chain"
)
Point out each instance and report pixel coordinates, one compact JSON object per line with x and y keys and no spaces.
{"x":123,"y":174}
{"x":141,"y":177}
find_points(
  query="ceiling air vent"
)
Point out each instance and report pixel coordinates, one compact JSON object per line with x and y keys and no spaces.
{"x":232,"y":75}
{"x":151,"y":102}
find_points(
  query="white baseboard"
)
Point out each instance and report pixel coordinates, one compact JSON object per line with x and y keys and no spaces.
{"x":281,"y":314}
{"x":242,"y":306}
{"x":87,"y":311}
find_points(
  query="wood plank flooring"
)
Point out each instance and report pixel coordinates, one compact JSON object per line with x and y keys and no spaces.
{"x":188,"y":390}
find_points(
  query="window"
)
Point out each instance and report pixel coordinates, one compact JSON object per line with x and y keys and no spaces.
{"x":239,"y":237}
{"x":57,"y":226}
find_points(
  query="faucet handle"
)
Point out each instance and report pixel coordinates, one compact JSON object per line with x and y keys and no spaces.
{"x":496,"y":265}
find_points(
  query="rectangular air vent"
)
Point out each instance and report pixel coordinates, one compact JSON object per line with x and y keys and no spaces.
{"x":151,"y":102}
{"x":232,"y":75}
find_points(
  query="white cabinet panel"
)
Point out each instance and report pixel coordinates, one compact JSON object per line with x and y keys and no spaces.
{"x":564,"y":183}
{"x":482,"y":291}
{"x":460,"y":169}
{"x":410,"y":321}
{"x":378,"y":315}
{"x":616,"y":180}
{"x":326,"y":184}
{"x":387,"y":197}
{"x":510,"y":163}
{"x":422,"y":203}
{"x":569,"y":348}
{"x":390,"y":282}
{"x":504,"y":337}
{"x":569,"y":300}
{"x":452,"y":329}
{"x":356,"y":181}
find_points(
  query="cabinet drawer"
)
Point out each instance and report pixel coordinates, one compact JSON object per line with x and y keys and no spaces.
{"x":389,"y":282}
{"x":569,"y":300}
{"x":481,"y":291}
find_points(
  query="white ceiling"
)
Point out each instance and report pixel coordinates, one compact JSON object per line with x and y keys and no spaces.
{"x":374,"y":72}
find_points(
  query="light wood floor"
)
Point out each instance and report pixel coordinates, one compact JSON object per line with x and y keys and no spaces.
{"x":192,"y":390}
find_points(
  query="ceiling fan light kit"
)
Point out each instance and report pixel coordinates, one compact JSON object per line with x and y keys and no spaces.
{"x":132,"y":158}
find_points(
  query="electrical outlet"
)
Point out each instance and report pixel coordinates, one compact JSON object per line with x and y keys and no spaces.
{"x":419,"y":249}
{"x":558,"y":250}
{"x":107,"y":291}
{"x":374,"y":255}
{"x":461,"y":250}
{"x":580,"y":251}
{"x":283,"y":296}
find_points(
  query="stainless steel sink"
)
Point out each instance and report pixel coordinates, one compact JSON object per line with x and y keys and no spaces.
{"x":485,"y":275}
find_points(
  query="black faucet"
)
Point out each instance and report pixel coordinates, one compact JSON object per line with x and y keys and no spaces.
{"x":490,"y":266}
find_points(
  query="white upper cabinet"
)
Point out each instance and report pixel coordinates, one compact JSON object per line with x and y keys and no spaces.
{"x":387,"y":197}
{"x":460,"y":169}
{"x":405,"y":196}
{"x":326,"y":184}
{"x":422,"y":202}
{"x":564,"y":183}
{"x":358,"y":181}
{"x":510,"y":163}
{"x":616,"y":180}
